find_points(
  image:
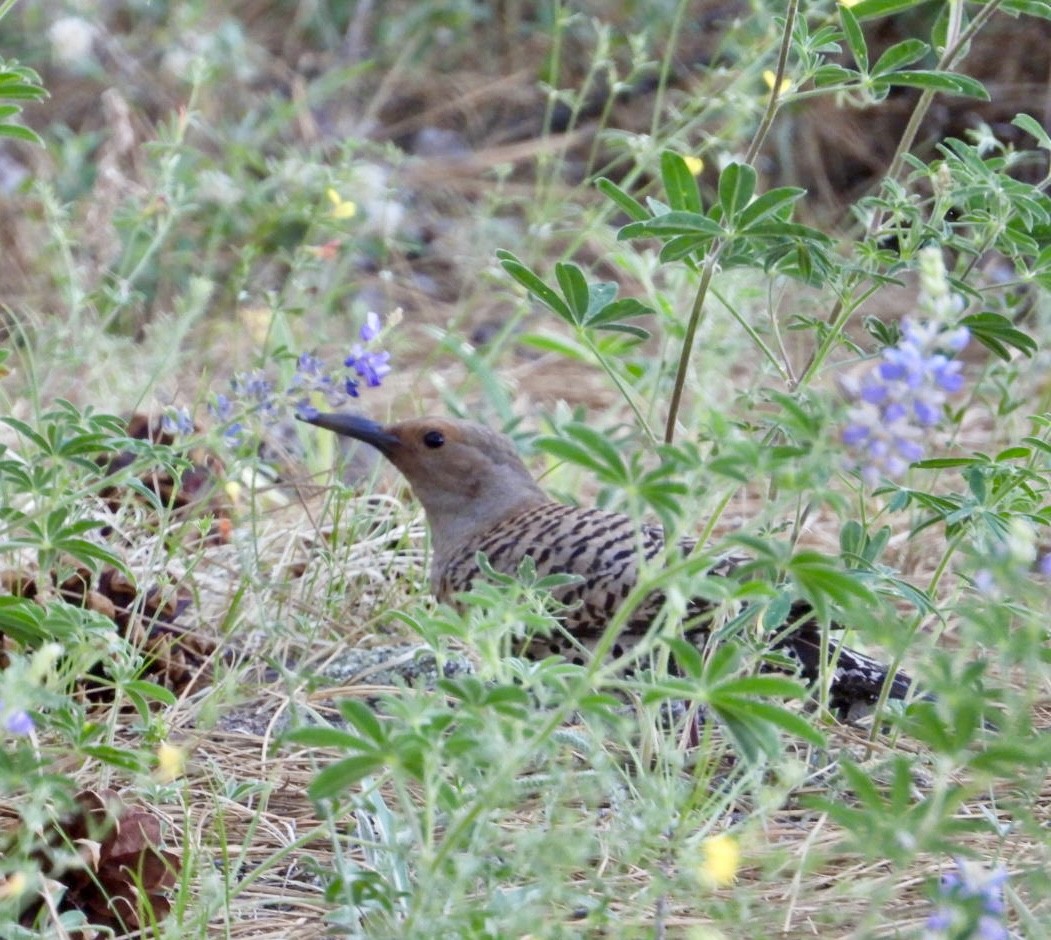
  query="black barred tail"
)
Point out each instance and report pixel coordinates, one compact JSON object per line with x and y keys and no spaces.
{"x":857,"y":681}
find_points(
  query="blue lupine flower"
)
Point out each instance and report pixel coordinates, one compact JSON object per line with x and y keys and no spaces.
{"x":177,"y":421}
{"x":370,"y":329}
{"x":371,"y":366}
{"x":253,"y":395}
{"x":222,"y":409}
{"x":18,"y":722}
{"x":309,"y":364}
{"x":972,"y":903}
{"x":1043,"y":566}
{"x":904,"y":395}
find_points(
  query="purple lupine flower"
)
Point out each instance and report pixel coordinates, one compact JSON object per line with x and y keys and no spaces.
{"x":370,"y":329}
{"x":309,"y":364}
{"x":311,"y":376}
{"x":1043,"y":566}
{"x":972,"y":903}
{"x":904,"y":394}
{"x":253,"y":395}
{"x":222,"y":409}
{"x":18,"y":722}
{"x":176,"y":421}
{"x":371,"y":366}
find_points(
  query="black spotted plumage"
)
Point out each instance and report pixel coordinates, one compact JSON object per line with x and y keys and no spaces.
{"x":480,"y":498}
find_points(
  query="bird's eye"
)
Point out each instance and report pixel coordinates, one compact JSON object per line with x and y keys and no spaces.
{"x":434,"y":439}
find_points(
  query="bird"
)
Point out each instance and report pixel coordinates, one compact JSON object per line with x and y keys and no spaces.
{"x":478,"y":496}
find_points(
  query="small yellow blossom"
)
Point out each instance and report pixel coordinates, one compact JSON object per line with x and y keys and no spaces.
{"x":849,"y":3}
{"x":14,"y":886}
{"x":769,"y":77}
{"x":171,"y":762}
{"x":341,"y":208}
{"x":722,"y":858}
{"x":694,"y":164}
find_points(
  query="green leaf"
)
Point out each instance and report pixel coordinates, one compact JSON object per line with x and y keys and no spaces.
{"x":944,"y":463}
{"x":754,"y":737}
{"x":671,"y":223}
{"x":532,"y":283}
{"x":559,"y":345}
{"x":339,"y":777}
{"x":574,"y":288}
{"x":359,"y":715}
{"x":682,"y":247}
{"x":854,"y":36}
{"x":630,"y":206}
{"x":599,"y":297}
{"x":619,"y":310}
{"x":821,"y":581}
{"x":1032,"y":126}
{"x":768,"y":204}
{"x":795,"y":724}
{"x":132,"y":761}
{"x":629,"y":329}
{"x":687,"y":656}
{"x":150,"y":691}
{"x":899,"y":55}
{"x":327,"y":737}
{"x":997,"y":333}
{"x":870,"y":9}
{"x":18,"y":132}
{"x":736,"y":186}
{"x":22,"y":620}
{"x":1038,"y":8}
{"x":828,"y":75}
{"x":679,"y":183}
{"x":951,"y":82}
{"x":84,"y":550}
{"x":1013,"y":453}
{"x":764,"y":686}
{"x":572,"y":452}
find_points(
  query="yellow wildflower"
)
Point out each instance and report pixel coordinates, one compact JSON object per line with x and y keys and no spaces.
{"x":694,"y":164}
{"x":14,"y":886}
{"x":722,"y":858}
{"x":171,"y":762}
{"x":341,"y":208}
{"x":769,"y":77}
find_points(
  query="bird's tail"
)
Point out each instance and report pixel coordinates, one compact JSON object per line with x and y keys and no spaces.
{"x":856,"y":680}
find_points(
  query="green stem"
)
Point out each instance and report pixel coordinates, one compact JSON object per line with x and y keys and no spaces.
{"x":625,"y":390}
{"x":712,"y":259}
{"x":755,"y":337}
{"x":779,"y":74}
{"x":687,"y":344}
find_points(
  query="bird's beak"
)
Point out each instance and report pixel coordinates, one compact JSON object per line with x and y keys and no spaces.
{"x":357,"y":427}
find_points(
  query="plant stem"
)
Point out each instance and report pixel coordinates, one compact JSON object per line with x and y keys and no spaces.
{"x":712,"y":259}
{"x":687,"y":344}
{"x":779,"y":74}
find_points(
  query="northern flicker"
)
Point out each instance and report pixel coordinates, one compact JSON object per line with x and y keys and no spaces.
{"x":479,"y":496}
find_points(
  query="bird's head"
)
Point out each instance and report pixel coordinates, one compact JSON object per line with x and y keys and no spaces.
{"x":467,"y":476}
